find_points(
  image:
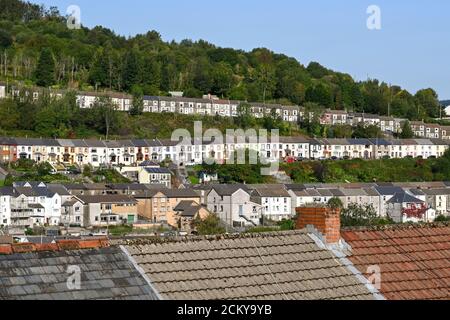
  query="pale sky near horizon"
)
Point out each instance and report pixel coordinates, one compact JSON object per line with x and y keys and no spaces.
{"x":412,"y":49}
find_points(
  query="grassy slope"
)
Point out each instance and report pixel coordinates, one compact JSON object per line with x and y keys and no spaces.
{"x":400,"y":170}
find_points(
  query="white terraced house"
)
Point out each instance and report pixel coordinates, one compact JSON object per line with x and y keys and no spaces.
{"x":194,"y":152}
{"x":213,"y":106}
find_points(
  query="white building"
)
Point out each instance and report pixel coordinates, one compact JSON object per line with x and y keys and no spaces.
{"x":35,"y":204}
{"x":233,"y":205}
{"x":6,"y":194}
{"x":2,"y":91}
{"x":275,"y":201}
{"x":403,"y":208}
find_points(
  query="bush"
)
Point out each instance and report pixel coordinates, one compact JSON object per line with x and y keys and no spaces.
{"x":442,"y":218}
{"x":210,"y":226}
{"x":361,"y":216}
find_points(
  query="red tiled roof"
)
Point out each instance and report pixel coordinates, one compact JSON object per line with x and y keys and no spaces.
{"x":414,"y":260}
{"x":60,"y":245}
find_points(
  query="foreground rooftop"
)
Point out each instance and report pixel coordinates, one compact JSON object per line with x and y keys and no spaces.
{"x":414,"y":262}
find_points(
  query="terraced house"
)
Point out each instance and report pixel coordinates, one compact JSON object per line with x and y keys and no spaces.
{"x":192,"y":152}
{"x":211,"y":106}
{"x":8,"y":150}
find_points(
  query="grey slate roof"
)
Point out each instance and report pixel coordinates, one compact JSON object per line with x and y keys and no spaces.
{"x":158,"y":170}
{"x":229,"y":189}
{"x":388,"y":191}
{"x":277,"y":266}
{"x":404,"y":198}
{"x":106,"y":274}
{"x":107,"y":198}
{"x":187,"y":208}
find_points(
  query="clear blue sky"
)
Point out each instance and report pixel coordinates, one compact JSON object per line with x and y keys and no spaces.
{"x":412,"y":49}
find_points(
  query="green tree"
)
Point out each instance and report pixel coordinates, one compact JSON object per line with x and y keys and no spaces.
{"x":137,"y":106}
{"x":442,"y":218}
{"x":407,"y":132}
{"x":132,"y":70}
{"x":360,"y":216}
{"x":99,"y":73}
{"x":244,"y":119}
{"x":209,"y":226}
{"x":335,"y":203}
{"x":362,"y":131}
{"x":340,"y":131}
{"x":317,"y":71}
{"x":222,"y":82}
{"x":5,"y":39}
{"x":429,"y":101}
{"x":45,"y":70}
{"x":320,"y":94}
{"x":105,"y":116}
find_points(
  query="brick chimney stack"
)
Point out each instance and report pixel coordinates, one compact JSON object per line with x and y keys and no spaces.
{"x":326,"y":220}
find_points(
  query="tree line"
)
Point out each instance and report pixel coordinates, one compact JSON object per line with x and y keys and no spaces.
{"x":36,"y":47}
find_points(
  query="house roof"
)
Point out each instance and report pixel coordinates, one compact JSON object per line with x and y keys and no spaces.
{"x":414,"y":260}
{"x":95,"y":143}
{"x":180,"y":193}
{"x":106,"y":274}
{"x":7,"y":191}
{"x":228,"y":189}
{"x":149,"y":163}
{"x":436,"y":192}
{"x":188,"y":208}
{"x":388,"y":191}
{"x":403,"y":197}
{"x":277,"y":266}
{"x":268,"y":191}
{"x":109,"y":198}
{"x":7,"y":141}
{"x":158,"y":170}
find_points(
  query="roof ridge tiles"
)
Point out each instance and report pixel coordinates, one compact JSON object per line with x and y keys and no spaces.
{"x":395,"y":227}
{"x":152,"y":240}
{"x":60,"y":245}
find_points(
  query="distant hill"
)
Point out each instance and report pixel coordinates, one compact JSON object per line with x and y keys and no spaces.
{"x":37,"y":48}
{"x":445,"y":103}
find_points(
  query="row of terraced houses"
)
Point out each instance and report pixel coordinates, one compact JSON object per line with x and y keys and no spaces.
{"x":212,"y":106}
{"x":132,"y":152}
{"x":27,"y":204}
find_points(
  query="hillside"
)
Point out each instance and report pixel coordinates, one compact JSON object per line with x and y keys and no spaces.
{"x":37,"y":48}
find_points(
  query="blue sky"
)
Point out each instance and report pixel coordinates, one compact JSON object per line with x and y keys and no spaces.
{"x":412,"y":49}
